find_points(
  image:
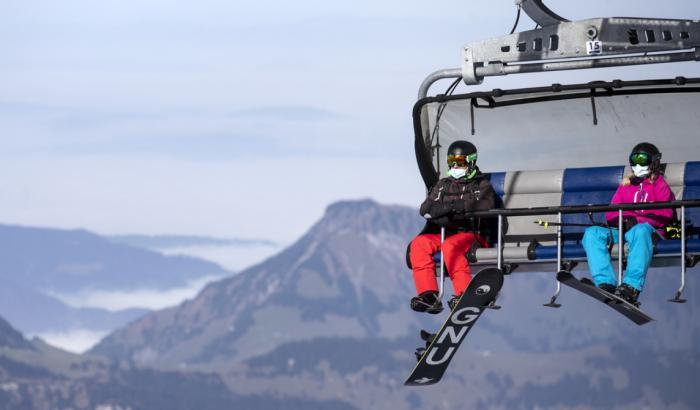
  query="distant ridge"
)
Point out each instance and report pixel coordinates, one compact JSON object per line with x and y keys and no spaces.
{"x":66,"y":260}
{"x":45,"y":273}
{"x":172,"y":241}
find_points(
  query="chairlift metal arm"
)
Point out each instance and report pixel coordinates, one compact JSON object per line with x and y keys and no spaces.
{"x":586,"y":63}
{"x":587,"y":40}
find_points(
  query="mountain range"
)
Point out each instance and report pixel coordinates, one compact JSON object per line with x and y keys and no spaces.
{"x":42,"y":269}
{"x":328,"y":318}
{"x":325,"y":324}
{"x":34,"y":375}
{"x":65,"y":261}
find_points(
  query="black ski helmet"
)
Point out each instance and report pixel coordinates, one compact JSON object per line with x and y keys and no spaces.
{"x":653,"y":152}
{"x":461,"y":148}
{"x":467,"y":150}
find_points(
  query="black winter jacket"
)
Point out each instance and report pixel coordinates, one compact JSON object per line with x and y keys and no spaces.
{"x":450,"y":198}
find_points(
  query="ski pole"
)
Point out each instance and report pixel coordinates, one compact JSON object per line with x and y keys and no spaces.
{"x":441,"y":284}
{"x":547,"y":224}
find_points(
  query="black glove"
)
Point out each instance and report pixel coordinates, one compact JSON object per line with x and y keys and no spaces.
{"x":628,"y":222}
{"x":441,"y":221}
{"x":458,"y":207}
{"x":438,"y":210}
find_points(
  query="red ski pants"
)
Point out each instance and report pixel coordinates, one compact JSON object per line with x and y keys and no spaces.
{"x":424,"y":246}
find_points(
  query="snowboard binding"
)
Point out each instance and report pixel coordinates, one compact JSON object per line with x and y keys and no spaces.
{"x":427,"y":302}
{"x":428,"y":338}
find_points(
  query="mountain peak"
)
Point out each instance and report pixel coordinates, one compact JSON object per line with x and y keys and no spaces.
{"x":368,"y":216}
{"x":353,"y":205}
{"x":339,"y":278}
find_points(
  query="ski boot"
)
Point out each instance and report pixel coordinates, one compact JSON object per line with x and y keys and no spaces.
{"x":427,"y":302}
{"x":628,"y":293}
{"x":453,"y":301}
{"x":608,"y":288}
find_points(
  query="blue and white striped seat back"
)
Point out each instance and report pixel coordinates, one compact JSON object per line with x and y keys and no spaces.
{"x":526,"y":189}
{"x":584,"y":186}
{"x":674,"y":174}
{"x":691,"y":190}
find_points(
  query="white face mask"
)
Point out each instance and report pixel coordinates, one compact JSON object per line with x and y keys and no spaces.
{"x":457,"y":173}
{"x":640,"y":171}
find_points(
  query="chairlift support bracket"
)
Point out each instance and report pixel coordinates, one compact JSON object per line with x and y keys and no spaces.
{"x":560,"y":44}
{"x":591,"y":43}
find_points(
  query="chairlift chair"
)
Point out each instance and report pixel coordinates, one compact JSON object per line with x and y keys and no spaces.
{"x":594,"y":113}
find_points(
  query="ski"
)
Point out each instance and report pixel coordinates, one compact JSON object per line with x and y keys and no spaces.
{"x":586,"y":286}
{"x":441,"y":347}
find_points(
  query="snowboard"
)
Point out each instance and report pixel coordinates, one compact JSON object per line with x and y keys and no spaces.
{"x":586,"y":286}
{"x":443,"y":345}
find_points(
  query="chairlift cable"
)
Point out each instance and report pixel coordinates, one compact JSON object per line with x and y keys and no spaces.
{"x":517,"y":19}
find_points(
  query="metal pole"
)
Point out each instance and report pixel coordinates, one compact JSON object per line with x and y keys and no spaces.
{"x":579,"y":209}
{"x":559,"y":250}
{"x":583,"y":63}
{"x":441,"y":283}
{"x":620,"y":247}
{"x":683,"y":268}
{"x":435,"y":76}
{"x":500,"y":242}
{"x":559,"y":255}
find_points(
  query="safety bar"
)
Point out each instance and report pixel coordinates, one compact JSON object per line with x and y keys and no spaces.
{"x":577,"y":209}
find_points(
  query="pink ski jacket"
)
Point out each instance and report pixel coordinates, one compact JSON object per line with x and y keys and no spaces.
{"x":646,"y":191}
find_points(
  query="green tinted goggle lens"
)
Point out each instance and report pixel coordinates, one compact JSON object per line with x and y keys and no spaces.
{"x":640,"y":158}
{"x":460,"y":160}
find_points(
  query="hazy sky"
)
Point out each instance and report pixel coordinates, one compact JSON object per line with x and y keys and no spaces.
{"x":234,"y":118}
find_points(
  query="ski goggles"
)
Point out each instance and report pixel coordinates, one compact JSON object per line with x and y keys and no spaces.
{"x":640,"y":158}
{"x":460,"y":160}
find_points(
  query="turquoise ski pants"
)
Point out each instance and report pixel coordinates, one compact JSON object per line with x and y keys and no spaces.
{"x":596,"y":242}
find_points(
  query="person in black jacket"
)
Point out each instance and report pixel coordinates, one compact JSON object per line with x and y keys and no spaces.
{"x":464,"y":189}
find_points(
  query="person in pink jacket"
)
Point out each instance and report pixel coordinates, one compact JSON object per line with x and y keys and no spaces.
{"x":646,"y":183}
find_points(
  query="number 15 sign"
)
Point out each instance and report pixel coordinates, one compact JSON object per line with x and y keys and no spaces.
{"x":594,"y":47}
